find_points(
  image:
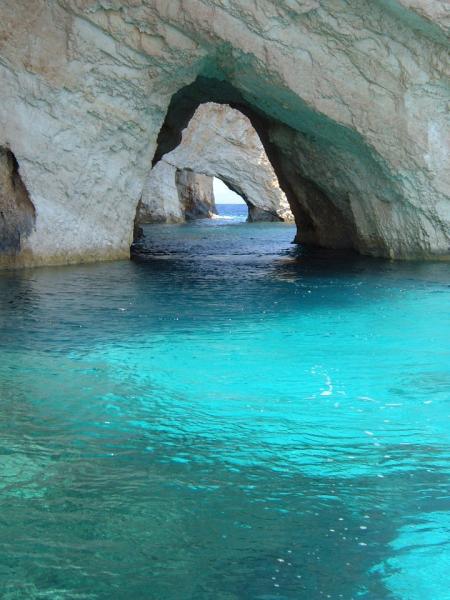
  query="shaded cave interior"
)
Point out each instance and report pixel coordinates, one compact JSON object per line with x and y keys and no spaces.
{"x":17,"y":211}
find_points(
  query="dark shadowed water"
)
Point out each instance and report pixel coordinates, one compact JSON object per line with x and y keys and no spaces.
{"x":227,"y":417}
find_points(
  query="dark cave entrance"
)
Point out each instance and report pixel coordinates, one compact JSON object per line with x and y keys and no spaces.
{"x":17,"y":212}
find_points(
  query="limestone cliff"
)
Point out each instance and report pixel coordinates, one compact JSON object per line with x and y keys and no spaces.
{"x":350,"y":100}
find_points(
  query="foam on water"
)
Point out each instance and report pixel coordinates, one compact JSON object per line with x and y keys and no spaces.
{"x":227,"y":417}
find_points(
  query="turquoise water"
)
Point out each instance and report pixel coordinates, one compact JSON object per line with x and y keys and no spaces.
{"x":227,"y":417}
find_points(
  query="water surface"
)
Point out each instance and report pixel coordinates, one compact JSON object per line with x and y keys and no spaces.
{"x":227,"y":417}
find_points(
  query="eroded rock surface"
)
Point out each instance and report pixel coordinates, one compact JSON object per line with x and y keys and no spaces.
{"x":160,"y":201}
{"x":196,"y":194}
{"x":221,"y":142}
{"x":173,"y":195}
{"x":350,"y":100}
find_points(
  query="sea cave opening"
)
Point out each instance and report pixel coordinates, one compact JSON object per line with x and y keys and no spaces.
{"x":308,"y":171}
{"x":220,"y":159}
{"x":226,"y":199}
{"x":336,"y":188}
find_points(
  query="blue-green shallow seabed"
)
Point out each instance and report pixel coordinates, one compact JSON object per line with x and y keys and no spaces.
{"x":227,"y":417}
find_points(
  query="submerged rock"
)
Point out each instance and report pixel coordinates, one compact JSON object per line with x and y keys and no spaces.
{"x":350,"y":101}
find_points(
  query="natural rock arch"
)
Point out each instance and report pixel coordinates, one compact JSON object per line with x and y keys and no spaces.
{"x":349,"y":98}
{"x":330,"y":231}
{"x":340,"y":191}
{"x":220,"y":141}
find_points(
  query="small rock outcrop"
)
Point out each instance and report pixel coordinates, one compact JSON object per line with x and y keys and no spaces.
{"x":349,"y":99}
{"x":196,"y":194}
{"x":174,"y":195}
{"x":160,"y":201}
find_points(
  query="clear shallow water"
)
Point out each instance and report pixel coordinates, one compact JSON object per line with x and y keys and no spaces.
{"x":227,"y":417}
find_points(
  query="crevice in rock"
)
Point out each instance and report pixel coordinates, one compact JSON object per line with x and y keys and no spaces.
{"x":17,"y":211}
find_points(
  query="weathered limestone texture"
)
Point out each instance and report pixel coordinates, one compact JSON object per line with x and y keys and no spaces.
{"x":196,"y":194}
{"x":350,"y":100}
{"x":160,"y":201}
{"x":173,"y":195}
{"x":221,"y":142}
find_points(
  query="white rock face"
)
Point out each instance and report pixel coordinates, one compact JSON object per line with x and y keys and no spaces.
{"x":196,"y":194}
{"x":160,"y":202}
{"x":221,"y":142}
{"x":350,"y":100}
{"x":173,"y":195}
